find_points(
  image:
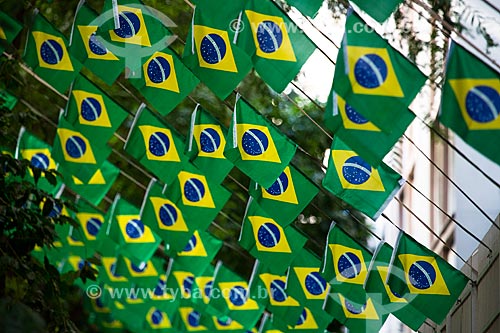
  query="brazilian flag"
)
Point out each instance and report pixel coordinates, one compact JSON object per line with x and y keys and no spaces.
{"x":136,"y":241}
{"x":231,"y":297}
{"x":427,"y":281}
{"x":159,"y":319}
{"x":304,"y":281}
{"x":287,"y":197}
{"x":353,"y":180}
{"x":364,"y":137}
{"x":164,"y":80}
{"x":166,"y":219}
{"x":199,"y":199}
{"x":376,"y":285}
{"x":191,"y":320}
{"x":277,"y":301}
{"x":205,"y":145}
{"x":46,"y":53}
{"x":374,"y":79}
{"x":132,"y":31}
{"x":360,"y":317}
{"x":39,"y":154}
{"x":145,"y":273}
{"x":198,"y":252}
{"x":156,"y":145}
{"x":275,"y":246}
{"x":203,"y":287}
{"x":277,"y":46}
{"x":92,"y":112}
{"x":379,"y":11}
{"x":180,"y":282}
{"x":90,"y":220}
{"x":470,"y":104}
{"x":255,"y":146}
{"x":78,"y":154}
{"x":9,"y":29}
{"x":345,"y":264}
{"x":89,"y":50}
{"x":98,"y":185}
{"x":210,"y":50}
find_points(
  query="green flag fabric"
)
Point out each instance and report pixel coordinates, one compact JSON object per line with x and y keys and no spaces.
{"x":470,"y":102}
{"x":156,"y":146}
{"x":274,"y":245}
{"x":255,"y":146}
{"x":344,"y":264}
{"x":136,"y":241}
{"x":164,"y":80}
{"x":210,"y":52}
{"x":374,"y":79}
{"x":287,"y":197}
{"x":309,"y":8}
{"x":366,"y":139}
{"x":39,"y":153}
{"x":92,"y":53}
{"x":76,"y":153}
{"x":305,"y":283}
{"x":46,"y":53}
{"x":277,"y":46}
{"x":428,"y":282}
{"x":376,"y":286}
{"x":9,"y":29}
{"x":359,"y":317}
{"x":379,"y":11}
{"x":98,"y":185}
{"x":356,"y":182}
{"x":205,"y":145}
{"x":91,"y":112}
{"x":231,"y":297}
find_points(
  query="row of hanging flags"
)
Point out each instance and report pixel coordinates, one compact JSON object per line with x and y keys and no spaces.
{"x":367,"y":111}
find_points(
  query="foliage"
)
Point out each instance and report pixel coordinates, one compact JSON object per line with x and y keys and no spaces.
{"x":34,"y":296}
